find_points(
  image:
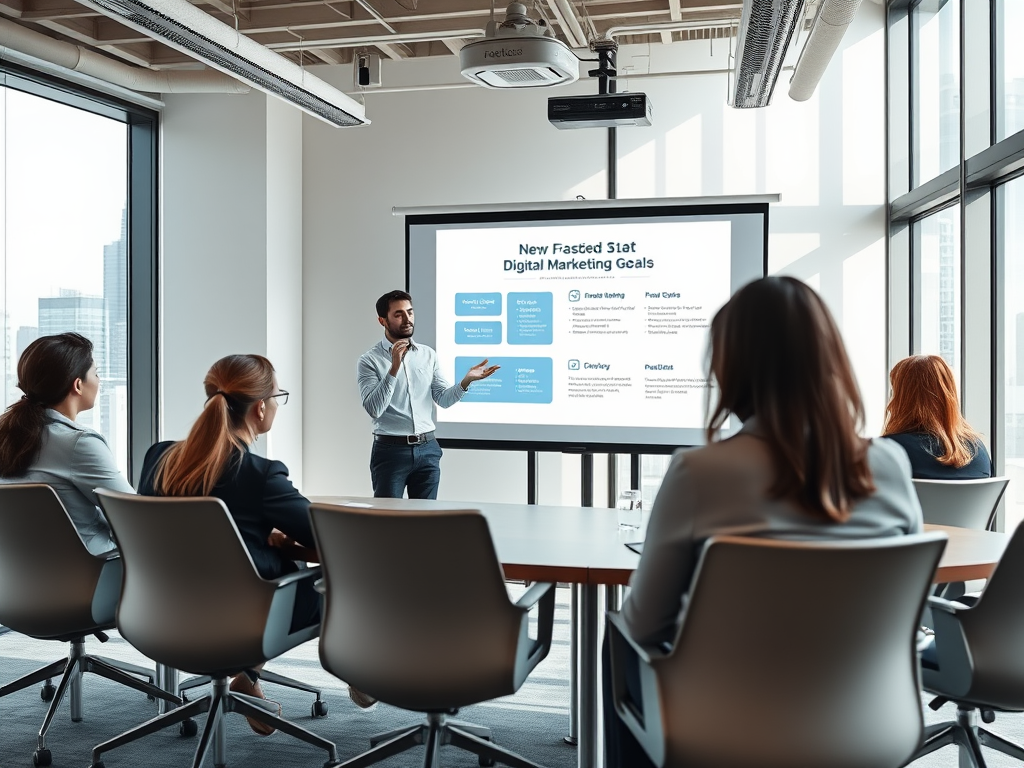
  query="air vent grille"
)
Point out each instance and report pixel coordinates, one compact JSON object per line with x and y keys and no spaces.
{"x":766,"y":31}
{"x":234,"y":63}
{"x":524,"y":75}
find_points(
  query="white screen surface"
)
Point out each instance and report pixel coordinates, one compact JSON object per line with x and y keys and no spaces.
{"x":598,"y":320}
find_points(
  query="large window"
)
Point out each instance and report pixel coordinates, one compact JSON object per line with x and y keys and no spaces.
{"x":937,"y":245}
{"x":1011,"y":230}
{"x":1009,"y":68}
{"x":956,"y":251}
{"x":76,"y":252}
{"x":936,"y":67}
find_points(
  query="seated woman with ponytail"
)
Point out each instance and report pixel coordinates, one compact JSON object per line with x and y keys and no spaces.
{"x":40,"y":441}
{"x":242,"y":398}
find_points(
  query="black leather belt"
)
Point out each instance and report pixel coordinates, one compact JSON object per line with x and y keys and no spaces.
{"x":426,"y":437}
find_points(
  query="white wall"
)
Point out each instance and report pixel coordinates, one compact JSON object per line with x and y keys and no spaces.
{"x":474,"y":145}
{"x":230,"y":267}
{"x":237,"y":174}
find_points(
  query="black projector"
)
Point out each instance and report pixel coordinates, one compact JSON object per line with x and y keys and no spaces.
{"x":609,"y":110}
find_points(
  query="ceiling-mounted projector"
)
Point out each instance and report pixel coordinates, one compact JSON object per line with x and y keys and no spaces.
{"x":519,"y":53}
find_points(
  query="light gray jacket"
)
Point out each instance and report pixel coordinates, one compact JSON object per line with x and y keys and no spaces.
{"x":74,"y":460}
{"x":722,"y":489}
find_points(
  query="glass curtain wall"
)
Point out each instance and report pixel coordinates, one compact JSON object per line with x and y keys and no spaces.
{"x":956,"y":250}
{"x":936,"y":67}
{"x":937,"y":238}
{"x":75,"y":166}
{"x":66,"y":165}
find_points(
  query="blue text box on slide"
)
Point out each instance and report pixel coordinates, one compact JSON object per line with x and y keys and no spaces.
{"x":478,"y":333}
{"x":477,"y":304}
{"x":530,"y":318}
{"x":520,"y":380}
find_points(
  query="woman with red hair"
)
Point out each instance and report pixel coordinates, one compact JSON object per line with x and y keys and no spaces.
{"x":924,"y":417}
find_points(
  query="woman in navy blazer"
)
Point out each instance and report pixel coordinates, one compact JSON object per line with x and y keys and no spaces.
{"x":242,"y":398}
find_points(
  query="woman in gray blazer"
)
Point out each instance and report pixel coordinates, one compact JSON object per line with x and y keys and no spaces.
{"x":798,"y":469}
{"x":40,"y":441}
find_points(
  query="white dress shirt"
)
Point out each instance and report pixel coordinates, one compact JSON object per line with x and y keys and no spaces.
{"x":403,"y":404}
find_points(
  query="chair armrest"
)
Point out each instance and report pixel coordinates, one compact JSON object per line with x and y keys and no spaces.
{"x":529,"y":651}
{"x":642,"y":717}
{"x":302,"y":573}
{"x":533,"y":595}
{"x":946,"y":606}
{"x":646,"y":653}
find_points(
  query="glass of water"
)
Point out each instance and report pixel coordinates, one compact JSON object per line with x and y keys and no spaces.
{"x":630,"y":506}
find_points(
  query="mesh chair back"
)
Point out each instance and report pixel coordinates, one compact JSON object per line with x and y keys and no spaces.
{"x":191,"y":598}
{"x":994,"y":633}
{"x":807,"y":649}
{"x":962,"y":503}
{"x":416,"y":612}
{"x":48,"y":577}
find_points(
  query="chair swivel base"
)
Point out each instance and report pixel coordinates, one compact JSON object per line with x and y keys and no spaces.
{"x":219,"y":702}
{"x":71,"y":670}
{"x":968,"y":736}
{"x":319,"y":708}
{"x":435,"y":733}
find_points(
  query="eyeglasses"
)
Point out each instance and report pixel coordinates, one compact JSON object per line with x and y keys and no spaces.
{"x":283,"y":395}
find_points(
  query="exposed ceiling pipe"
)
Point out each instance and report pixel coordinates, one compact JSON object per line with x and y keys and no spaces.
{"x":79,"y":59}
{"x":671,"y":26}
{"x":358,"y":42}
{"x":621,"y":76}
{"x":572,"y":21}
{"x":827,"y":31}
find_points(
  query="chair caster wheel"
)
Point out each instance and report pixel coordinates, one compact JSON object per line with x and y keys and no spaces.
{"x":319,"y":708}
{"x":485,"y":762}
{"x":47,"y":692}
{"x":988,"y":716}
{"x":188,"y":728}
{"x":41,"y":758}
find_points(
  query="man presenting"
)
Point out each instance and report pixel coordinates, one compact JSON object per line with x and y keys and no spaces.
{"x":398,"y":382}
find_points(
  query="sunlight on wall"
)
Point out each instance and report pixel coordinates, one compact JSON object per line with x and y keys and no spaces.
{"x":788,"y":247}
{"x":863,"y":324}
{"x":683,"y":158}
{"x":739,"y":161}
{"x":640,"y":169}
{"x":793,"y":166}
{"x":863,"y":121}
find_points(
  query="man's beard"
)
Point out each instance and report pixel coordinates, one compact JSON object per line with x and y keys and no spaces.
{"x":400,"y":332}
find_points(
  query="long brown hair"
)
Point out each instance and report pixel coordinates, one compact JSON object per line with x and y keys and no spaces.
{"x":924,"y":399}
{"x":777,"y":354}
{"x":193,"y":466}
{"x":47,"y":370}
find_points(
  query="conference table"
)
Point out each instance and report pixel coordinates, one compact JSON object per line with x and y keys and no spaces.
{"x":583,"y":546}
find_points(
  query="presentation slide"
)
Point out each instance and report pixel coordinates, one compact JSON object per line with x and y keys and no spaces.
{"x":600,"y":327}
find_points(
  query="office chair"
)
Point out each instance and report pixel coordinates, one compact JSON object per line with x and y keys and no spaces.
{"x":53,"y":588}
{"x":417,"y":615}
{"x":208,"y":614}
{"x":817,"y":675}
{"x":977,"y":661}
{"x":961,"y":503}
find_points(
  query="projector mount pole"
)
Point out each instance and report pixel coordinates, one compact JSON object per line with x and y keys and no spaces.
{"x":607,"y":52}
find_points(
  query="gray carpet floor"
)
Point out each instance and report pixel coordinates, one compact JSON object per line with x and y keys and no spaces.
{"x":532,"y":722}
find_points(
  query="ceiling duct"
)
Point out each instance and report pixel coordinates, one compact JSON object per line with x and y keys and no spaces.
{"x":767,"y":28}
{"x":827,"y":30}
{"x":181,"y":25}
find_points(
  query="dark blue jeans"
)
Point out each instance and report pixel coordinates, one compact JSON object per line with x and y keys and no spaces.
{"x":395,"y":467}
